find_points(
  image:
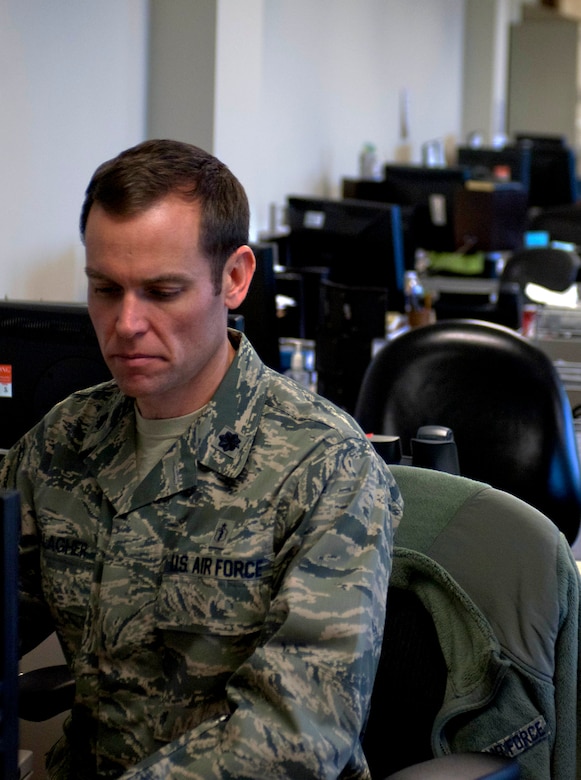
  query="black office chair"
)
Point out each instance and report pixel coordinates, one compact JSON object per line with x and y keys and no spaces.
{"x":550,"y":267}
{"x":500,"y":395}
{"x":562,"y":223}
{"x":504,"y":307}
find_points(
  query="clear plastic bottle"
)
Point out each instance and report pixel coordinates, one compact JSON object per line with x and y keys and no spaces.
{"x":297,"y":370}
{"x":369,"y":165}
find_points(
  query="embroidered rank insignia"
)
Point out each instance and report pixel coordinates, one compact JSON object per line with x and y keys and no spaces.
{"x":229,"y":441}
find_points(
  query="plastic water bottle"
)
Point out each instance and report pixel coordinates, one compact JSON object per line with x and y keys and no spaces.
{"x":297,"y":370}
{"x":369,"y":167}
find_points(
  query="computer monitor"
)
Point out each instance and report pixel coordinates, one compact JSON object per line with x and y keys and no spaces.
{"x":377,"y":191}
{"x":553,"y":177}
{"x":541,"y":139}
{"x":9,"y":536}
{"x":47,"y":351}
{"x":360,"y":242}
{"x":430,"y":192}
{"x":509,"y":163}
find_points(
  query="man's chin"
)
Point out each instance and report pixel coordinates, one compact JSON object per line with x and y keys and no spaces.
{"x":135,"y":388}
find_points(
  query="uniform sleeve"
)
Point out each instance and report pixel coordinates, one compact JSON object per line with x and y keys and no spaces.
{"x":299,"y":703}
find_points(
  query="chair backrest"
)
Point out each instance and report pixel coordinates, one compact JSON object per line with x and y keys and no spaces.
{"x":412,"y":672}
{"x":483,"y":611}
{"x":505,"y":307}
{"x":500,"y":395}
{"x":551,"y":267}
{"x":563,"y":223}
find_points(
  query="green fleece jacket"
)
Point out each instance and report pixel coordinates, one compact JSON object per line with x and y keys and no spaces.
{"x":502,"y":587}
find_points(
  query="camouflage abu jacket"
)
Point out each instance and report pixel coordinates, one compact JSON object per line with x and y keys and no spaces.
{"x":223,"y":618}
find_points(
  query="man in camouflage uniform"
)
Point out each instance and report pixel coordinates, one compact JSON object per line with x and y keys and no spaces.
{"x":211,"y":541}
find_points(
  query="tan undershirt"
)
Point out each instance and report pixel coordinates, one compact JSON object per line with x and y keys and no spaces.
{"x":155,"y":437}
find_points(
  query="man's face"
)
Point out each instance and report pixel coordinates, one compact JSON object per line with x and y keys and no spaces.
{"x":160,"y":324}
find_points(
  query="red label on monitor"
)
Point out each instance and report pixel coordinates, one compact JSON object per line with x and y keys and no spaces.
{"x":502,"y":172}
{"x":5,"y":381}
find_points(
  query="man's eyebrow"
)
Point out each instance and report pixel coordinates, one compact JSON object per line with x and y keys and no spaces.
{"x":167,"y":278}
{"x":94,"y":274}
{"x":161,"y":279}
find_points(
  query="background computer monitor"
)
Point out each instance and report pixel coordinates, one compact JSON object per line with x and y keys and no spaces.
{"x":9,"y":536}
{"x":509,"y":163}
{"x":377,"y":191}
{"x":553,"y":175}
{"x":47,"y":351}
{"x":430,"y":193}
{"x":360,"y":242}
{"x":541,"y":139}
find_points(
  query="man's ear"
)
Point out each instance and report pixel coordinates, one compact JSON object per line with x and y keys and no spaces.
{"x":237,"y":275}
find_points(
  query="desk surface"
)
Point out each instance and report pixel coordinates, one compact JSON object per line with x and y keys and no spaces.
{"x":467,"y":285}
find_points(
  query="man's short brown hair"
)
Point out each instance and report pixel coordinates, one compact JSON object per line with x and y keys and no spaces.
{"x":137,"y":178}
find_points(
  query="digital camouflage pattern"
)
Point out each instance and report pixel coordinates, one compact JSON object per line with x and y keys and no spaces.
{"x":223,"y":618}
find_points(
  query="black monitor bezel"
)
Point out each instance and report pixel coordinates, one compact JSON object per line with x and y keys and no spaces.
{"x":350,"y":254}
{"x":53,"y":350}
{"x":481,"y":162}
{"x":415,"y":188}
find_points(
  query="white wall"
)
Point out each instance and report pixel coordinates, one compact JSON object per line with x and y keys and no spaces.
{"x":331,"y":75}
{"x":299,"y":86}
{"x":72,"y":86}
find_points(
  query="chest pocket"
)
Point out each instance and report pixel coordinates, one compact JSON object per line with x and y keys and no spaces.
{"x":67,"y":550}
{"x":67,"y":572}
{"x":67,"y":567}
{"x":214,"y":595}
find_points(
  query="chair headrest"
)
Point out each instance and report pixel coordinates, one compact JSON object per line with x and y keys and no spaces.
{"x":553,"y":268}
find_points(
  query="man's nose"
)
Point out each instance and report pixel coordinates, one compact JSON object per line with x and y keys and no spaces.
{"x":131,"y":316}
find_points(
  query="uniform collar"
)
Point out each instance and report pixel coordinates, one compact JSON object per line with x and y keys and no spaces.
{"x":225,"y":432}
{"x":221,"y":439}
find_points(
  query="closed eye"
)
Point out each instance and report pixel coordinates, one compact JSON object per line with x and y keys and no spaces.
{"x":164,"y":293}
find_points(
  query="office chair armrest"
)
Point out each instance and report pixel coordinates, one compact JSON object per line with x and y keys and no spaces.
{"x":44,"y":693}
{"x":461,"y":766}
